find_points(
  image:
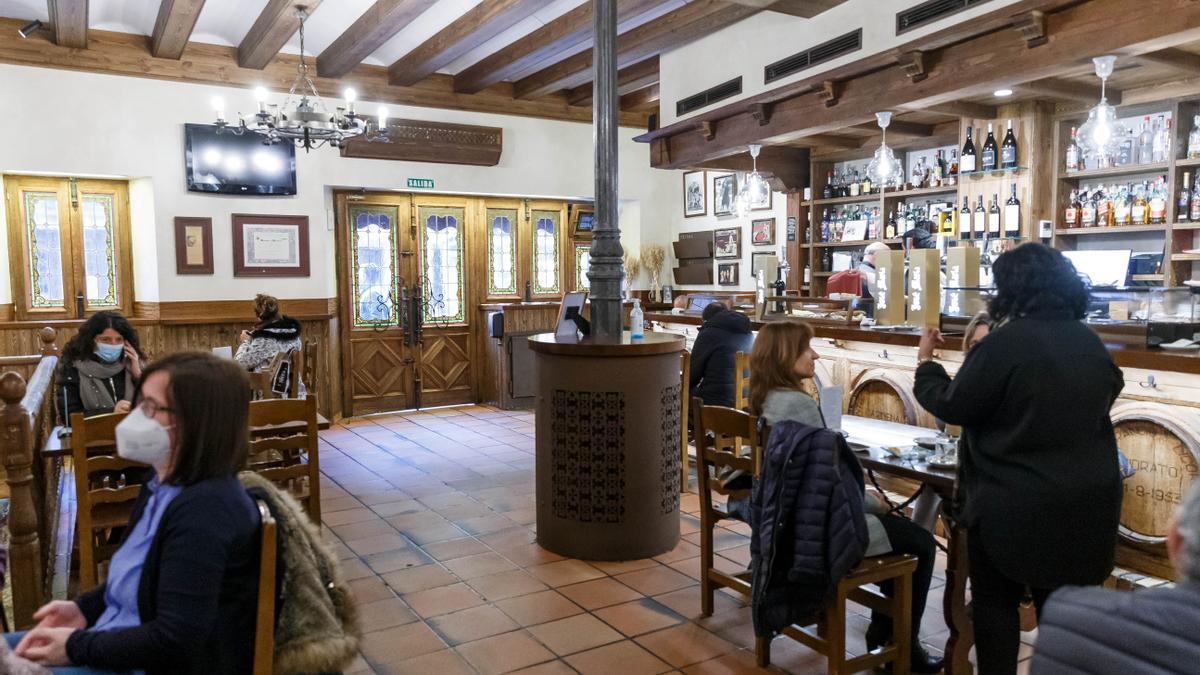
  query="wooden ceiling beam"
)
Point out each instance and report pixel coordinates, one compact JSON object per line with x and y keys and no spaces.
{"x":638,"y":76}
{"x":1173,"y":58}
{"x":802,"y":8}
{"x":694,"y":20}
{"x":900,"y":129}
{"x":480,"y":24}
{"x":69,"y":22}
{"x":832,"y":141}
{"x":376,"y":26}
{"x":275,"y":25}
{"x":1070,"y":90}
{"x":786,"y":168}
{"x":173,"y":27}
{"x":565,"y":36}
{"x":642,"y":99}
{"x":959,"y":109}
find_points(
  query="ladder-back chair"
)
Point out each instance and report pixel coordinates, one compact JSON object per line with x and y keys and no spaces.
{"x":264,"y":623}
{"x":283,"y":448}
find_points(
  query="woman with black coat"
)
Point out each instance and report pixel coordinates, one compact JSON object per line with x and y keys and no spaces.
{"x":1040,"y":471}
{"x":274,"y":333}
{"x":99,"y":369}
{"x":714,"y":354}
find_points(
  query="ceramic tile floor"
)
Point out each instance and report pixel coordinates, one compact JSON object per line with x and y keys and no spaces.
{"x":432,"y":514}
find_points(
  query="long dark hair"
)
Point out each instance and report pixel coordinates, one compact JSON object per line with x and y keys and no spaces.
{"x":1035,"y":278}
{"x":83,"y":344}
{"x":773,"y":359}
{"x":210,"y":400}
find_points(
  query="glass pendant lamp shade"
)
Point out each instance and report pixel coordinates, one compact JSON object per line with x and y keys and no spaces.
{"x":1101,"y":135}
{"x":884,"y":169}
{"x":755,"y":190}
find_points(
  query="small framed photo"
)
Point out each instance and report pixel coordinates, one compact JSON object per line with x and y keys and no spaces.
{"x":270,"y":246}
{"x":583,"y":221}
{"x":695,"y":194}
{"x":727,"y":243}
{"x":724,"y":194}
{"x":727,"y":274}
{"x":762,"y":231}
{"x":193,"y":246}
{"x":762,"y":204}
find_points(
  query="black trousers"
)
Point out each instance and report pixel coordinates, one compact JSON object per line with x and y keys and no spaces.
{"x":995,"y":600}
{"x":905,"y":536}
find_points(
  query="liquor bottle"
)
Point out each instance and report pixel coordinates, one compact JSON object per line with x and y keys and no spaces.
{"x":890,"y":231}
{"x":1158,"y":203}
{"x":1087,"y":212}
{"x":1122,"y":207}
{"x":1158,"y":141}
{"x":1012,"y":215}
{"x":979,"y":224}
{"x":866,"y":184}
{"x":938,"y":172}
{"x":1073,"y":152}
{"x":964,"y":220}
{"x":1008,"y":149}
{"x":952,"y":176}
{"x":988,"y":161}
{"x":855,"y":184}
{"x":1103,"y":207}
{"x":1193,"y":149}
{"x":1126,"y":149}
{"x":994,"y":218}
{"x":1140,"y":213}
{"x":1145,"y":148}
{"x":1184,"y":205}
{"x":825,"y":227}
{"x":1194,"y":209}
{"x":966,"y":164}
{"x":827,"y":191}
{"x":807,"y":274}
{"x":1071,"y":216}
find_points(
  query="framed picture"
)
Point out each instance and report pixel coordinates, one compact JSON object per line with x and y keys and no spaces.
{"x":727,"y":243}
{"x":761,"y":204}
{"x":724,"y":194}
{"x":193,"y":246}
{"x":695,"y":194}
{"x":583,"y":221}
{"x":762,"y":231}
{"x":727,"y":274}
{"x":270,"y":246}
{"x":764,"y":262}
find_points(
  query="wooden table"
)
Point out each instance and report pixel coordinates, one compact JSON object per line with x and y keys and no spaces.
{"x":868,"y":437}
{"x":55,"y":446}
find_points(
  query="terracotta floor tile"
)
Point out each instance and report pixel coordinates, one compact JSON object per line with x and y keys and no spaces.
{"x":400,"y":508}
{"x":337,"y":503}
{"x":574,"y":634}
{"x":686,"y":602}
{"x":445,"y":662}
{"x":397,"y":644}
{"x":685,"y":644}
{"x":684,"y":549}
{"x":420,"y":578}
{"x":399,"y":559}
{"x":377,"y":544}
{"x":472,"y":624}
{"x":566,"y":572}
{"x":472,"y":566}
{"x":443,"y":600}
{"x":504,"y":653}
{"x":456,"y":548}
{"x":528,"y":555}
{"x":793,"y":657}
{"x":624,"y":657}
{"x":362,"y":530}
{"x":355,"y":568}
{"x":535,"y":608}
{"x":737,"y":626}
{"x":511,"y":538}
{"x":508,"y":584}
{"x":352,"y":515}
{"x":741,"y":661}
{"x":615,"y":568}
{"x":488,"y":524}
{"x":433,"y":533}
{"x":599,"y":593}
{"x":370,"y":589}
{"x":557,"y":668}
{"x":383,"y":614}
{"x":638,"y":617}
{"x":655,"y":580}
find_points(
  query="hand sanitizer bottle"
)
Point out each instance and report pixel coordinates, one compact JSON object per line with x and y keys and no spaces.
{"x":636,"y":321}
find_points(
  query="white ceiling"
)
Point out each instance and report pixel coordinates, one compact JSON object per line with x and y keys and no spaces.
{"x":226,"y":22}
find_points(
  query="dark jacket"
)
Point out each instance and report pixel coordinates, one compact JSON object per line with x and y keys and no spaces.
{"x":198,"y":593}
{"x":713,"y":357}
{"x":283,"y":329}
{"x":66,"y":392}
{"x":809,"y":528}
{"x":1041,"y":482}
{"x":1099,"y":631}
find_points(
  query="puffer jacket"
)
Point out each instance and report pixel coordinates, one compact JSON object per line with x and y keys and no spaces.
{"x":714,"y":357}
{"x":809,"y":529}
{"x":1098,"y":631}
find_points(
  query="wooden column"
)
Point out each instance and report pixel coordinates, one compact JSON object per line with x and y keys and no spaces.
{"x":607,"y":266}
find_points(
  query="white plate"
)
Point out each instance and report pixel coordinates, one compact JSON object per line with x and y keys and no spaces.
{"x":1171,"y":346}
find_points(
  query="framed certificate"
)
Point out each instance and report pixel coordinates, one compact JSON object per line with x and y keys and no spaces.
{"x":270,"y":246}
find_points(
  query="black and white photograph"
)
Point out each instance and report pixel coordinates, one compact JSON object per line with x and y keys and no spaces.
{"x":727,"y":274}
{"x":695,"y":194}
{"x":727,"y":243}
{"x":724,"y":194}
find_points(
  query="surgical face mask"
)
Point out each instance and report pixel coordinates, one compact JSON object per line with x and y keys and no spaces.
{"x":109,"y":353}
{"x":141,"y":439}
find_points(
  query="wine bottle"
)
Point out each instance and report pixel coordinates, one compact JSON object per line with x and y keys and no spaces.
{"x":1122,"y":207}
{"x":827,"y":191}
{"x":1193,"y":150}
{"x":994,"y":217}
{"x":979,"y":224}
{"x":1012,"y":215}
{"x":825,"y":226}
{"x":1073,"y":152}
{"x":1183,"y":206}
{"x":1139,"y":213}
{"x":1008,"y":149}
{"x":988,"y":161}
{"x":1145,"y":149}
{"x":964,"y":221}
{"x":1071,"y":216}
{"x":1158,"y":203}
{"x":952,"y":177}
{"x":1194,"y":209}
{"x":966,"y":163}
{"x":890,"y":231}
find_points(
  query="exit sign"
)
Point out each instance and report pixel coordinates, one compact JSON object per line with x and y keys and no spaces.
{"x":421,"y":183}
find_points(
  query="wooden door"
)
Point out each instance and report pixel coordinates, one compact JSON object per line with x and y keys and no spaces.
{"x":445,"y":279}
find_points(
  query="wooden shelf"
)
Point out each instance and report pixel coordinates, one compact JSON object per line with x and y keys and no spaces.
{"x":1187,"y":162}
{"x":823,"y":274}
{"x":1130,"y":170}
{"x":842,"y":244}
{"x":846,"y":200}
{"x":917,"y":192}
{"x":1147,"y":277}
{"x":993,"y":173}
{"x":1187,"y":225}
{"x":1185,"y":257}
{"x":914,"y":192}
{"x":1120,"y":229}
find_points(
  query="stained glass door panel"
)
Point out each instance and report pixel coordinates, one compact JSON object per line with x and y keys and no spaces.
{"x":502,"y":251}
{"x":583,"y":262}
{"x":546,"y":231}
{"x":441,"y":230}
{"x":98,"y":225}
{"x":44,"y":224}
{"x":373,"y":239}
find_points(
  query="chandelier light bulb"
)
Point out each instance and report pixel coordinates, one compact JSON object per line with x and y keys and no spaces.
{"x":260,"y":94}
{"x":883,"y":169}
{"x":1101,"y":134}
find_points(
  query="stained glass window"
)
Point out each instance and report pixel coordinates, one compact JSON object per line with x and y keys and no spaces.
{"x":502,"y":251}
{"x":545,"y":252}
{"x":442,"y":259}
{"x":99,"y":250}
{"x":583,"y":262}
{"x":373,"y":247}
{"x":44,"y":231}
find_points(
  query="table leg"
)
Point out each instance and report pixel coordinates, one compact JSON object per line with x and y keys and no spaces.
{"x":925,"y":509}
{"x":954,"y":603}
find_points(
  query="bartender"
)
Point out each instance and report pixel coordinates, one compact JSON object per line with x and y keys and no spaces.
{"x":867,"y":266}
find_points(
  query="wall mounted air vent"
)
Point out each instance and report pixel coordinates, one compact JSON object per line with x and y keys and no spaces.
{"x":927,"y":12}
{"x":709,"y":96}
{"x":850,"y":42}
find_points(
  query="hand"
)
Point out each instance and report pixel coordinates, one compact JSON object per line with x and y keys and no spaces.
{"x":133,"y":362}
{"x":931,"y":338}
{"x":122,"y":406}
{"x":245,"y":336}
{"x":60,"y":613}
{"x":47,"y":646}
{"x":873,"y":496}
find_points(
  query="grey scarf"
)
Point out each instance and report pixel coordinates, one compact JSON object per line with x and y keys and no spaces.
{"x":95,"y":389}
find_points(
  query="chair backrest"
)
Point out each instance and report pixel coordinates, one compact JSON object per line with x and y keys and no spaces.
{"x":283,"y":448}
{"x":849,"y":282}
{"x":106,"y":486}
{"x":722,"y":437}
{"x":264,"y":623}
{"x":741,"y":381}
{"x":263,"y":383}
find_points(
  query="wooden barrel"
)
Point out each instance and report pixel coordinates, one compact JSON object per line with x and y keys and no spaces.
{"x":1161,"y":442}
{"x":885,"y":395}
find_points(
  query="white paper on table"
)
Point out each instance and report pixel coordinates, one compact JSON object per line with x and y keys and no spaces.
{"x":225,"y":352}
{"x":831,"y":406}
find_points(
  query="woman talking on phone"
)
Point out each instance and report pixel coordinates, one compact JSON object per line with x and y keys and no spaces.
{"x":100,"y":368}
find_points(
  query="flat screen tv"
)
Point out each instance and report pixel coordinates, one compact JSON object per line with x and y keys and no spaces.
{"x":239,"y":165}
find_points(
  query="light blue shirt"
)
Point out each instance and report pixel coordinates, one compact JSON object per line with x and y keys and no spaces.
{"x":125,"y":569}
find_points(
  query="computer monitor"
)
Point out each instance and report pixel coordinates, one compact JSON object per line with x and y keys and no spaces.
{"x":1101,"y":268}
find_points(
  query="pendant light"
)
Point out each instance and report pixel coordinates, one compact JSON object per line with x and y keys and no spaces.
{"x":1101,"y":135}
{"x":755,"y":189}
{"x":884,"y":169}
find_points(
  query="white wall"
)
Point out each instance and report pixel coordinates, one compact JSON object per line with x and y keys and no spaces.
{"x":87,"y":124}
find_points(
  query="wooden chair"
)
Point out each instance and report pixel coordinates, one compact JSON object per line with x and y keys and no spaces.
{"x":283,"y":448}
{"x":264,"y":624}
{"x":261,"y":383}
{"x":720,"y":433}
{"x":106,"y":486}
{"x":741,"y":381}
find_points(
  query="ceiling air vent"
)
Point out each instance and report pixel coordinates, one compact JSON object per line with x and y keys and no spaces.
{"x":931,"y":11}
{"x":709,"y":96}
{"x":808,"y":58}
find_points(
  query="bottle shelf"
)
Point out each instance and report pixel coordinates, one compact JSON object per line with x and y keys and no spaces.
{"x":1180,"y":163}
{"x":1185,"y":257}
{"x":993,"y":173}
{"x":917,"y":192}
{"x":862,"y":199}
{"x":1130,"y":170}
{"x":823,"y":274}
{"x":1119,"y":229}
{"x":1186,"y":225}
{"x":1147,"y":277}
{"x":843,"y":244}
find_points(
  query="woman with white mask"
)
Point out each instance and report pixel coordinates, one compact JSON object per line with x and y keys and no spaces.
{"x":182,"y":588}
{"x":99,"y":369}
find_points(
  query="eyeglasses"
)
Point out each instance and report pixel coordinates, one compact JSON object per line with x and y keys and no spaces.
{"x":150,"y":408}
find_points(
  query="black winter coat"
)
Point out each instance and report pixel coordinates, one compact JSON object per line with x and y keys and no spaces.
{"x":714,"y":357}
{"x":1041,"y":481}
{"x":809,"y":528}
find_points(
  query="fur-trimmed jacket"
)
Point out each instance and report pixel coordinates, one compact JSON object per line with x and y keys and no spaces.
{"x":316,"y":622}
{"x":280,"y":335}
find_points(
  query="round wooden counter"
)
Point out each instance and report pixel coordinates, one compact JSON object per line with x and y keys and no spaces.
{"x":607,"y":436}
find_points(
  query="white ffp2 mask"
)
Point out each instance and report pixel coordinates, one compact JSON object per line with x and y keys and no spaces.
{"x":141,"y":439}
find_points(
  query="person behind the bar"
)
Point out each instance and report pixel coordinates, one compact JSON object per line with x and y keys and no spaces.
{"x":714,"y":354}
{"x":100,"y":368}
{"x":782,"y":359}
{"x":1041,"y":480}
{"x":867,"y":266}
